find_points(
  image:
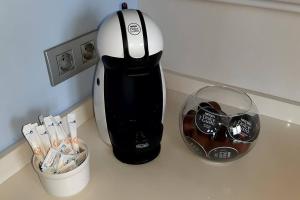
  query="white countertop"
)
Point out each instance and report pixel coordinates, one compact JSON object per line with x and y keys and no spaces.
{"x":269,"y":171}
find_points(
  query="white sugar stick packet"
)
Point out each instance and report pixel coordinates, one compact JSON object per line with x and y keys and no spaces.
{"x":51,"y":131}
{"x":44,"y":137}
{"x":65,"y":141}
{"x":64,"y":160}
{"x":65,"y":148}
{"x":38,"y":138}
{"x":36,"y":134}
{"x":71,"y":118}
{"x":61,"y":135}
{"x":34,"y":125}
{"x":34,"y":141}
{"x":80,"y":158}
{"x":52,"y":155}
{"x":68,"y":167}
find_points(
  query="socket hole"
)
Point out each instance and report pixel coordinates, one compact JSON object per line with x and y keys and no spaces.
{"x":98,"y":81}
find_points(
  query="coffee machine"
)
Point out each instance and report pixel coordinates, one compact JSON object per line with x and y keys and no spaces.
{"x":129,"y":86}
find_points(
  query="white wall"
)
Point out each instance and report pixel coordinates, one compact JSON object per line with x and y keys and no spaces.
{"x":27,"y":28}
{"x":253,"y":48}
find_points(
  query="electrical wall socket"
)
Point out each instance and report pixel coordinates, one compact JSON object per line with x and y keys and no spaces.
{"x":65,"y":62}
{"x":72,"y":57}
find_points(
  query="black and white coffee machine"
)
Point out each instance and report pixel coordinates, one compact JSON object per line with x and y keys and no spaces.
{"x":129,"y":86}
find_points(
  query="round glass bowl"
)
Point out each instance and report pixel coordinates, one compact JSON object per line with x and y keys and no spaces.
{"x":219,"y":123}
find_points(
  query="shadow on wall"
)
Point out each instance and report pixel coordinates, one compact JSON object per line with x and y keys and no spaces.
{"x":80,"y":27}
{"x":85,"y":79}
{"x":30,"y":117}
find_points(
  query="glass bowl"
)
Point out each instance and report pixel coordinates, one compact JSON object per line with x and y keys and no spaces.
{"x":219,"y":123}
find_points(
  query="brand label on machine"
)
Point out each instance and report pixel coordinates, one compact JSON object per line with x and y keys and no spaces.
{"x":134,"y":29}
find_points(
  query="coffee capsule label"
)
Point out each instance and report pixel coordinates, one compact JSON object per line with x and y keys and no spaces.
{"x":243,"y":127}
{"x":198,"y":148}
{"x":222,"y":153}
{"x":207,"y":121}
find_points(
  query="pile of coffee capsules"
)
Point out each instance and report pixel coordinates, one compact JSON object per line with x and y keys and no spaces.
{"x":217,"y":136}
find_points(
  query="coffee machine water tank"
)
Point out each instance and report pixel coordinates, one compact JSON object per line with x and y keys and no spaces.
{"x":129,"y":86}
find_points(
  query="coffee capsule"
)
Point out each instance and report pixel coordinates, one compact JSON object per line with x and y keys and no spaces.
{"x":191,"y":131}
{"x":221,"y":135}
{"x":224,"y":118}
{"x":207,"y":120}
{"x":198,"y":148}
{"x":203,"y":139}
{"x":223,"y":153}
{"x":217,"y":109}
{"x":215,"y":105}
{"x":211,"y":104}
{"x":204,"y":105}
{"x":244,"y":127}
{"x":241,"y":147}
{"x":188,"y":123}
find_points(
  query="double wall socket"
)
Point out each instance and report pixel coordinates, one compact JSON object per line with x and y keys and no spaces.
{"x":72,"y":57}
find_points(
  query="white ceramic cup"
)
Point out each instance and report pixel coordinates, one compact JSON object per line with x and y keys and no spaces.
{"x":69,"y":183}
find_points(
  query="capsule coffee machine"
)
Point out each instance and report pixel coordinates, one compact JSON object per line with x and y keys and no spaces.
{"x":129,"y":87}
